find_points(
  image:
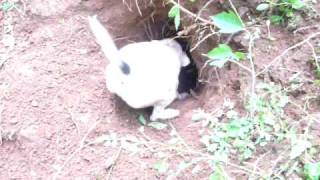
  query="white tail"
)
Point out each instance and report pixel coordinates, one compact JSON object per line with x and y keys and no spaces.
{"x":104,"y":39}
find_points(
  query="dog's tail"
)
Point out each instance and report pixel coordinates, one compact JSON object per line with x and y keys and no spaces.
{"x":104,"y":39}
{"x":108,"y":46}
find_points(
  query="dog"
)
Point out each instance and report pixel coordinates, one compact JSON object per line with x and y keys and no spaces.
{"x":143,"y":74}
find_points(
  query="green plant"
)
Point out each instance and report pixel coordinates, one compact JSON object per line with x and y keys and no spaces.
{"x":282,"y":10}
{"x":6,"y":6}
{"x":228,"y":22}
{"x":242,"y":134}
{"x":222,"y":54}
{"x":175,"y":14}
{"x":312,"y":171}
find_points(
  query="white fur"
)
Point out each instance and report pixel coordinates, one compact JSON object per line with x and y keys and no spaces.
{"x":154,"y":71}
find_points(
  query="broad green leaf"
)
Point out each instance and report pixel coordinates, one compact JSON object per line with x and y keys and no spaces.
{"x":161,"y":166}
{"x":262,"y":7}
{"x":220,"y":55}
{"x":228,"y":22}
{"x":275,"y":19}
{"x":312,"y":171}
{"x":219,"y":63}
{"x":240,"y":55}
{"x":6,"y":6}
{"x":316,"y":82}
{"x":175,"y":13}
{"x":299,"y":147}
{"x":157,"y":125}
{"x":296,"y":4}
{"x":142,"y":120}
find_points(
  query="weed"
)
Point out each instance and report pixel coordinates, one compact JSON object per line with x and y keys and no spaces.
{"x":312,"y":171}
{"x":282,"y":10}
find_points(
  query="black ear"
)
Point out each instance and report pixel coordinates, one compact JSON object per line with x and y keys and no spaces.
{"x":125,"y":68}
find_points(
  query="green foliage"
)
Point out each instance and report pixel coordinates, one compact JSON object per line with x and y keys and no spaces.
{"x":263,"y":7}
{"x":228,"y":22}
{"x":221,"y":54}
{"x":161,"y":166}
{"x":283,"y":10}
{"x":240,"y":135}
{"x":6,"y":5}
{"x":142,"y":120}
{"x":312,"y":171}
{"x":218,"y":174}
{"x":175,"y":13}
{"x":317,"y":82}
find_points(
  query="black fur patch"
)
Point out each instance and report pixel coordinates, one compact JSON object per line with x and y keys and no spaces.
{"x":125,"y":68}
{"x":188,"y":77}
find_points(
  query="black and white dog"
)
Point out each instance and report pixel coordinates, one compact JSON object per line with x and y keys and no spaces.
{"x":145,"y":74}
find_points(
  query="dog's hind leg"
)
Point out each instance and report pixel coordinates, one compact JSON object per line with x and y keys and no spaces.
{"x":160,"y":112}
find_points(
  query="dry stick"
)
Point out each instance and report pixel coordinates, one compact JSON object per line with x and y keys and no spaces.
{"x":256,"y":163}
{"x":1,"y":110}
{"x":203,"y":8}
{"x":178,"y":135}
{"x":306,"y":28}
{"x":253,"y":75}
{"x":191,"y":13}
{"x":193,"y":152}
{"x":72,"y":119}
{"x":241,"y":65}
{"x":114,"y":162}
{"x":314,"y":55}
{"x":278,"y":58}
{"x":81,"y":146}
{"x":137,"y":4}
{"x":202,"y":40}
{"x":3,"y":61}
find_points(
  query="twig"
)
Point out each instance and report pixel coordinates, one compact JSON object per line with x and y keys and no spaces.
{"x":178,"y":135}
{"x":81,"y":146}
{"x":305,"y":28}
{"x":253,"y":74}
{"x":202,"y":40}
{"x":2,"y":61}
{"x":256,"y":163}
{"x":191,"y":13}
{"x":235,"y":10}
{"x":1,"y":110}
{"x":72,"y":119}
{"x":137,"y":4}
{"x":278,"y":58}
{"x":241,"y":65}
{"x":314,"y":55}
{"x":114,"y":162}
{"x":128,"y":6}
{"x":203,"y":8}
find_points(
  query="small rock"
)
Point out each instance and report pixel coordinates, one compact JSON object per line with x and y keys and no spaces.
{"x":34,"y":103}
{"x":29,"y":133}
{"x":48,"y":134}
{"x":13,"y":121}
{"x":241,"y":40}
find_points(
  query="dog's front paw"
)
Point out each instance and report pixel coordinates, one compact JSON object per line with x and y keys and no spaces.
{"x":165,"y":114}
